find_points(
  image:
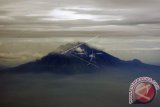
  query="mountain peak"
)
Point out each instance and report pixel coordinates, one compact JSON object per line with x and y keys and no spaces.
{"x":70,"y":46}
{"x":136,"y":61}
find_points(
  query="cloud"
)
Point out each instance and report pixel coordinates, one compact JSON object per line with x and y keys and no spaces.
{"x":17,"y":55}
{"x":137,"y":49}
{"x":51,"y":15}
{"x":1,"y":43}
{"x":18,"y":58}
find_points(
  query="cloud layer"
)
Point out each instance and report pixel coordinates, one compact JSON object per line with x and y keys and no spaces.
{"x":44,"y":15}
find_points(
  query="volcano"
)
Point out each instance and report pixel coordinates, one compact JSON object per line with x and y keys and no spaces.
{"x":76,"y":58}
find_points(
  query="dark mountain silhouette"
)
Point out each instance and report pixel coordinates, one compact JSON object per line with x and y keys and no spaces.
{"x":2,"y":67}
{"x":80,"y":58}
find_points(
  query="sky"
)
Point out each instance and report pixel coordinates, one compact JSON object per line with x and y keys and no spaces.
{"x":128,"y":29}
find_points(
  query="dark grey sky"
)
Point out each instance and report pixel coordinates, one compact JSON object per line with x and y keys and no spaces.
{"x":128,"y":28}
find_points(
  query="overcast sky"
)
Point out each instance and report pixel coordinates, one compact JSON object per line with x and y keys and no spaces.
{"x":128,"y":29}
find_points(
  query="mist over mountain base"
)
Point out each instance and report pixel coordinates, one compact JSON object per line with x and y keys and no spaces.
{"x":81,"y":90}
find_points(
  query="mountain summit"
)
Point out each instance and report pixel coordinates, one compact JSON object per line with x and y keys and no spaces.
{"x":87,"y":54}
{"x":79,"y":58}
